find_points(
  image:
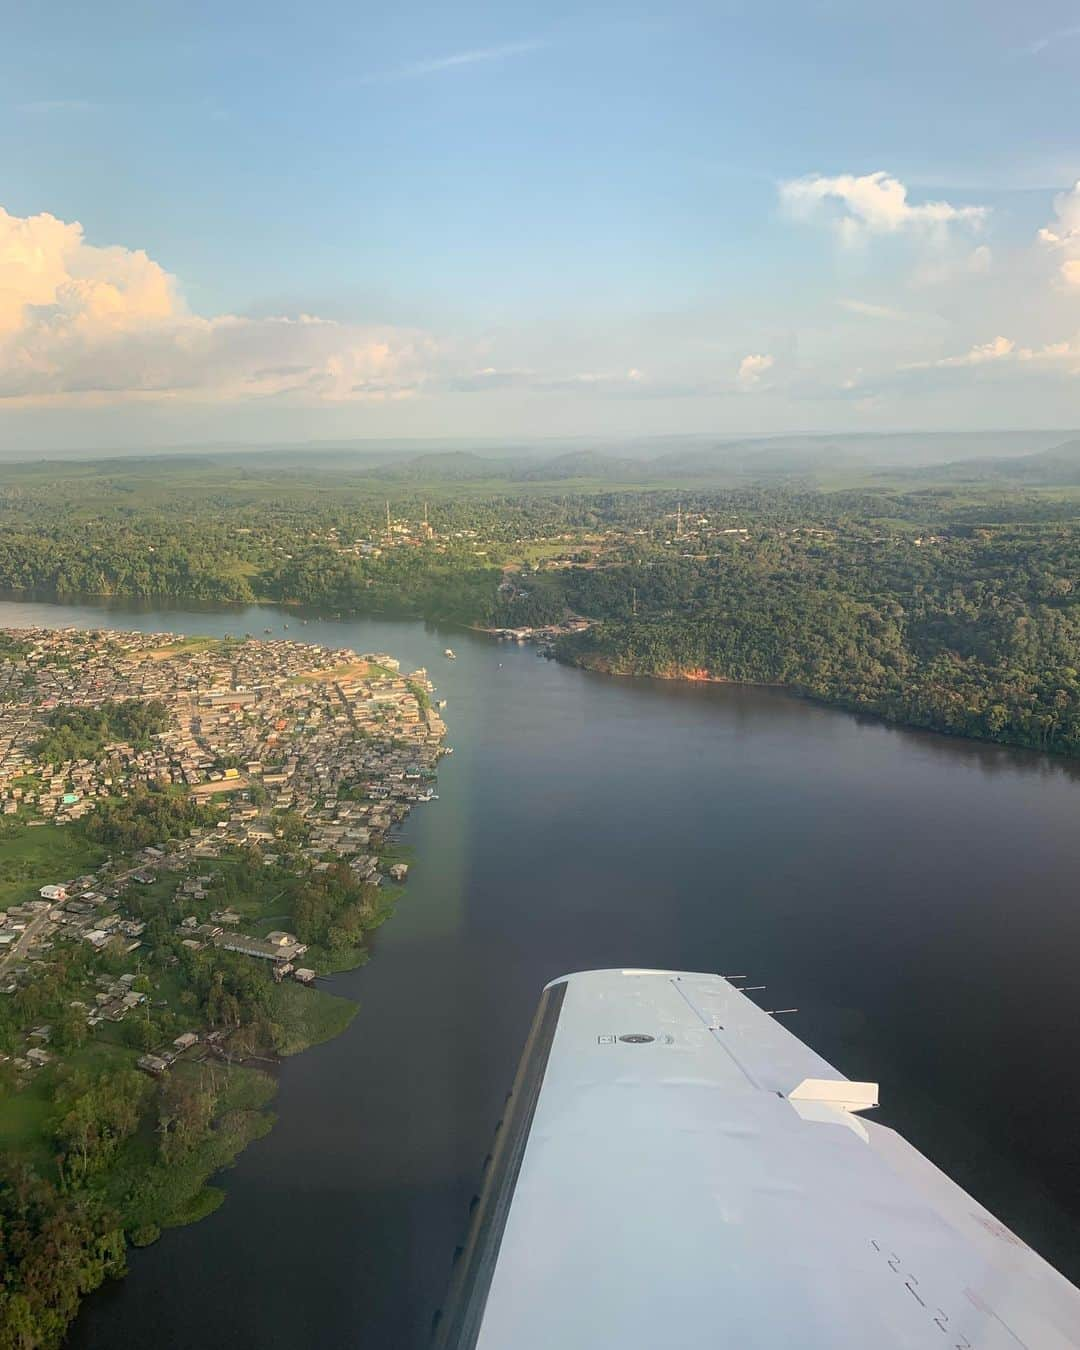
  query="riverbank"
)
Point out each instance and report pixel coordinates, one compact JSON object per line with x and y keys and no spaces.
{"x":955,"y":693}
{"x":962,"y":714}
{"x":170,"y":904}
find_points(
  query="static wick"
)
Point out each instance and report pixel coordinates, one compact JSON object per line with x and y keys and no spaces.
{"x":733,"y":977}
{"x":778,"y":1012}
{"x":752,"y":988}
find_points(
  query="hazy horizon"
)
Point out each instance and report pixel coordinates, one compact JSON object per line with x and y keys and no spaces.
{"x":884,"y":450}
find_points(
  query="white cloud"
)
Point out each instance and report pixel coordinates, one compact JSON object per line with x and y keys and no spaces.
{"x":996,"y":350}
{"x":752,"y":368}
{"x":874,"y":204}
{"x":476,"y":56}
{"x":1063,"y":234}
{"x":1040,"y":44}
{"x":871,"y":311}
{"x":50,"y":276}
{"x":491,"y":377}
{"x":1003,"y":351}
{"x":82,"y":322}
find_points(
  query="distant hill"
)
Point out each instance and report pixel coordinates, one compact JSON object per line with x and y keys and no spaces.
{"x":1031,"y":457}
{"x":453,"y":466}
{"x":583,"y":464}
{"x":702,"y":461}
{"x":1057,"y":467}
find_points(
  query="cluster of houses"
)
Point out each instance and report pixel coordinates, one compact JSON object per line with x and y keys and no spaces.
{"x":227,"y":701}
{"x":285,"y":717}
{"x":165,"y":1057}
{"x":18,"y":924}
{"x":399,"y":532}
{"x":278,"y":737}
{"x":546,"y":636}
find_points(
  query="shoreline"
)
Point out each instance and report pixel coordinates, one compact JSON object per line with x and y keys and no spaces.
{"x":1050,"y":753}
{"x":500,"y":633}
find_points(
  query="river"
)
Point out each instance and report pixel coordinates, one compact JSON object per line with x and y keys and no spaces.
{"x":914,"y":897}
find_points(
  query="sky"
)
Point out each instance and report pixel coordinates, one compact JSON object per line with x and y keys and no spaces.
{"x":270,"y":222}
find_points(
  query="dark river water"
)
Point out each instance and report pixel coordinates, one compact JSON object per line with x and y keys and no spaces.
{"x":916,"y":898}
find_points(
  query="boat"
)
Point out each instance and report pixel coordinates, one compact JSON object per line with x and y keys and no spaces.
{"x":450,"y":654}
{"x":268,"y":630}
{"x":441,"y":703}
{"x":675,"y":1168}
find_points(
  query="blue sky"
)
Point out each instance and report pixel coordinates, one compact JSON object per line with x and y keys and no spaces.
{"x":512,"y":219}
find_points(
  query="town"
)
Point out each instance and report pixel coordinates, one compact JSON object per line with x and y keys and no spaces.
{"x":287,"y":756}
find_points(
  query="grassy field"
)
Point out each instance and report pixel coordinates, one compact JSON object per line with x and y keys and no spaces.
{"x":187,"y":646}
{"x":539,"y":550}
{"x":348,"y":670}
{"x":32,"y":858}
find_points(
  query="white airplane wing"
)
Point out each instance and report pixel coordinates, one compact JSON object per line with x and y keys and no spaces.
{"x":676,"y":1171}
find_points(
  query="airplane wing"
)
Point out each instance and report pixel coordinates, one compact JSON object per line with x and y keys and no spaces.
{"x":676,"y":1171}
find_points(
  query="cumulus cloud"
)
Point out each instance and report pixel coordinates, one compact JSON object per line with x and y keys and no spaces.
{"x":752,"y":368}
{"x":1063,"y":235}
{"x":48,"y":274}
{"x":996,"y":350}
{"x":1003,"y":351}
{"x":79,"y":321}
{"x":874,"y":204}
